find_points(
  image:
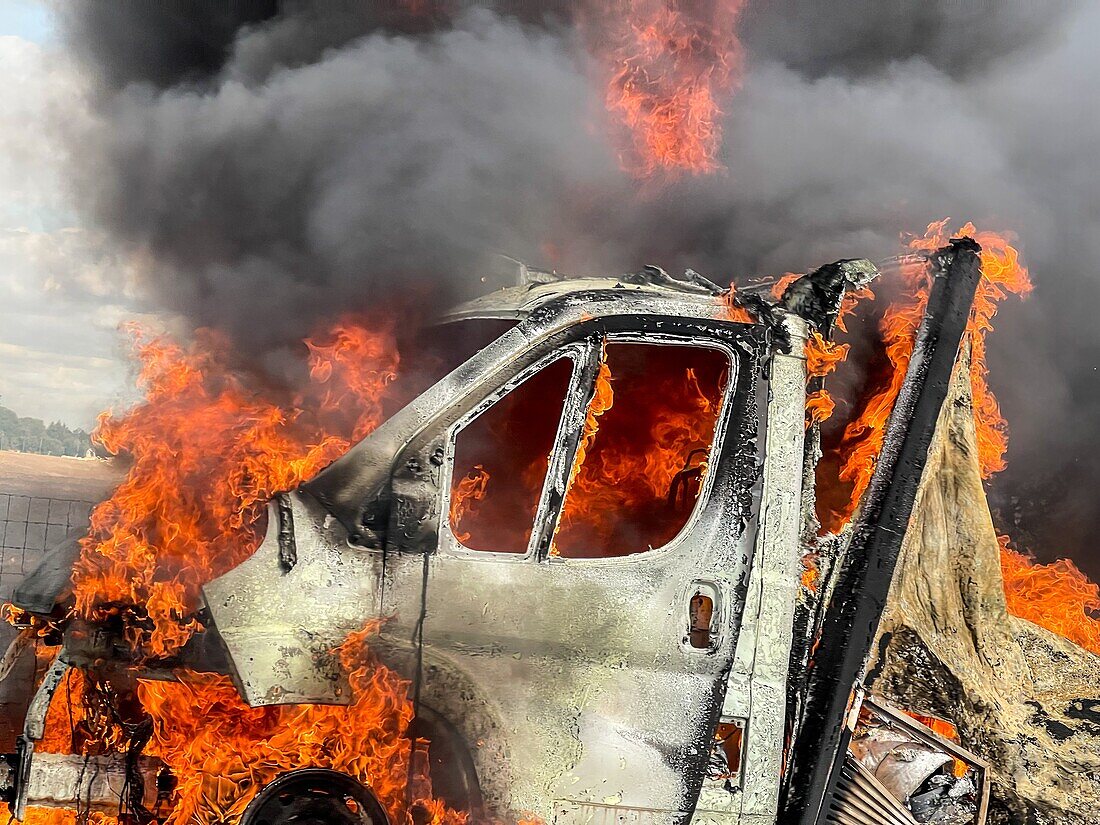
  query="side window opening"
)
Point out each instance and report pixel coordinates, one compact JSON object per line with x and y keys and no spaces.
{"x":727,"y":752}
{"x":642,"y":458}
{"x":500,"y":462}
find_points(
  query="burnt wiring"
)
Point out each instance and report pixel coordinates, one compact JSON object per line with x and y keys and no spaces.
{"x":679,"y":490}
{"x":103,"y":722}
{"x":418,"y":678}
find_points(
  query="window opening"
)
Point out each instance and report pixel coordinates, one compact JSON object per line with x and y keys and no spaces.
{"x":644,"y":450}
{"x":500,"y":463}
{"x":727,"y":751}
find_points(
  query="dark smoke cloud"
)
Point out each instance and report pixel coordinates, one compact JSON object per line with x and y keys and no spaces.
{"x":829,"y":37}
{"x":274,"y":196}
{"x":282,"y":164}
{"x":161,"y":43}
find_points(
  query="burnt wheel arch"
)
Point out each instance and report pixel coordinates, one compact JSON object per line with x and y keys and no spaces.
{"x":451,"y":765}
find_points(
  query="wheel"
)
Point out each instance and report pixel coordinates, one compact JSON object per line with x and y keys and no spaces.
{"x":315,"y":796}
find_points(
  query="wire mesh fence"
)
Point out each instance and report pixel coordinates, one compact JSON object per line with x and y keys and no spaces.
{"x":30,"y":525}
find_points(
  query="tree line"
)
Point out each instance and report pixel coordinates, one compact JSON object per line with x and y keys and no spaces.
{"x":32,"y":435}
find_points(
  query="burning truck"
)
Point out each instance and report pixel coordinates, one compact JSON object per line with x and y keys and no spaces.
{"x":562,"y":584}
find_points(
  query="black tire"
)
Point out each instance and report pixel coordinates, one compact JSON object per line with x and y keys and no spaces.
{"x":315,"y":796}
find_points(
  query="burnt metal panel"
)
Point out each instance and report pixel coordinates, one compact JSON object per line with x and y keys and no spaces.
{"x":756,"y":684}
{"x":857,"y":602}
{"x":597,"y":698}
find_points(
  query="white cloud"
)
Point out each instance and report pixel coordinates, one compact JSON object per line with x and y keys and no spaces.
{"x":64,"y":288}
{"x":42,"y":94}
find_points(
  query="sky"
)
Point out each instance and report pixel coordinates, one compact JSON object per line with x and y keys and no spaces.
{"x":63,"y":288}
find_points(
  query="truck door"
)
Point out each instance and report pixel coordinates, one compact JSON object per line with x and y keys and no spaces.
{"x":566,"y":565}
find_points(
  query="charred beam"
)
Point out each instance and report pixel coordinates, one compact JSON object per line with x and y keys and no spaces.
{"x":852,"y":617}
{"x":817,"y":297}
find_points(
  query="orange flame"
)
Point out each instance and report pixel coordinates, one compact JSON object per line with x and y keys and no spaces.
{"x":603,"y":397}
{"x":734,"y":310}
{"x":207,"y":452}
{"x":1056,"y":596}
{"x":941,"y":727}
{"x":207,"y":449}
{"x":1002,"y":273}
{"x":863,"y":437}
{"x":57,"y":816}
{"x":938,"y":726}
{"x":822,"y":357}
{"x":222,"y":752}
{"x":612,"y":479}
{"x":670,"y":64}
{"x":781,"y":284}
{"x":819,"y":407}
{"x":464,"y":498}
{"x":79,"y":719}
{"x":203,"y":724}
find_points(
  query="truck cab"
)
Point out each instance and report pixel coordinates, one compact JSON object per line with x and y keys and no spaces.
{"x":581,"y":547}
{"x":568,"y":539}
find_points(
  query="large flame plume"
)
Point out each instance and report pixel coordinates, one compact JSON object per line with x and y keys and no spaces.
{"x":671,"y":65}
{"x":1055,"y":596}
{"x":222,"y":752}
{"x":206,"y":451}
{"x":1002,"y":273}
{"x":202,"y":723}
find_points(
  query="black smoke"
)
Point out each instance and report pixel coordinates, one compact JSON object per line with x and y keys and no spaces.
{"x":279,"y":162}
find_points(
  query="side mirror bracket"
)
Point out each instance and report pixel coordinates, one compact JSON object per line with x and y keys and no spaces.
{"x":413,"y":518}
